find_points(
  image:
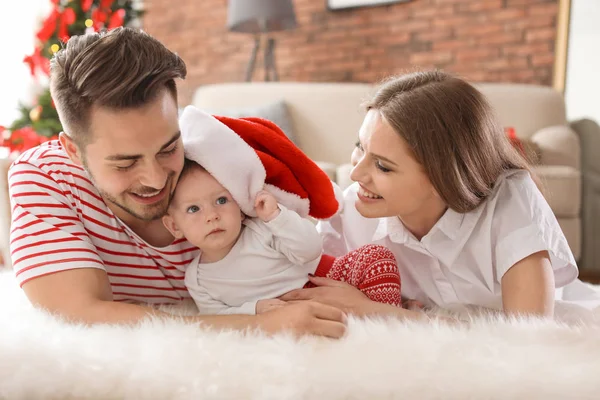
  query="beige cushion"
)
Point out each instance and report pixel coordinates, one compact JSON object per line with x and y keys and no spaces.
{"x":527,"y":108}
{"x":561,"y":187}
{"x":559,"y":145}
{"x":325,"y":116}
{"x":276,"y":112}
{"x":571,"y":228}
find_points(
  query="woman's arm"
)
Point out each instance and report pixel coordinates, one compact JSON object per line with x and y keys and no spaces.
{"x":349,"y":299}
{"x":528,"y":286}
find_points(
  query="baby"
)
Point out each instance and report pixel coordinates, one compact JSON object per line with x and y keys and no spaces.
{"x":246,"y":263}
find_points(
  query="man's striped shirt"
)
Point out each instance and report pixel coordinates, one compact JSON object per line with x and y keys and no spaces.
{"x":60,"y":222}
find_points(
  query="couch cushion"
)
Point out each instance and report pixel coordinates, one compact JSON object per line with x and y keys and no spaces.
{"x":527,"y":108}
{"x":528,"y":149}
{"x":561,"y":187}
{"x":326,"y":116}
{"x":559,"y":145}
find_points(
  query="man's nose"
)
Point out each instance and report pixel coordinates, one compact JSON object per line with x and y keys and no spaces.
{"x":154,"y":175}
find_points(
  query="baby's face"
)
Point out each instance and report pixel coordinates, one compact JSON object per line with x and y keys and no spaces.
{"x":204,"y":212}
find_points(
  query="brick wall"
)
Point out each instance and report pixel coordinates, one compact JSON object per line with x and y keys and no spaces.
{"x":483,"y":40}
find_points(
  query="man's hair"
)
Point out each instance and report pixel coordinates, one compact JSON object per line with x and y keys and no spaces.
{"x":123,"y":68}
{"x":453,"y":133}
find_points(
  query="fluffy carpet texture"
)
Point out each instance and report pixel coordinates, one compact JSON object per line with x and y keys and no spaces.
{"x":491,"y":358}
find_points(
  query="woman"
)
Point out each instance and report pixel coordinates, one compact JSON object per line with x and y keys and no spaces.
{"x":438,"y":183}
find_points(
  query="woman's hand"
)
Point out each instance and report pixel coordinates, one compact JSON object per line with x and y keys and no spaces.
{"x":349,"y":299}
{"x":334,"y":293}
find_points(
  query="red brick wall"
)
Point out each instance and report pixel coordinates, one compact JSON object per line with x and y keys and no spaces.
{"x":483,"y":40}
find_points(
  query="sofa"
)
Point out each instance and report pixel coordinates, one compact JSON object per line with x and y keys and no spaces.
{"x":324,"y":119}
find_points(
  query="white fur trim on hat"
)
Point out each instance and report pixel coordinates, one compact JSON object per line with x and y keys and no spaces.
{"x":290,"y":200}
{"x":224,"y":154}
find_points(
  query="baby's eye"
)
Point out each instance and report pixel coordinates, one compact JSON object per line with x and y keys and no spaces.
{"x":222,"y":200}
{"x":192,"y":209}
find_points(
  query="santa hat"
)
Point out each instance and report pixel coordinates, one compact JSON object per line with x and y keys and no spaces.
{"x":247,"y":155}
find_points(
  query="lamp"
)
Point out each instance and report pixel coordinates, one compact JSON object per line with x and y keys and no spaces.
{"x":261,"y":17}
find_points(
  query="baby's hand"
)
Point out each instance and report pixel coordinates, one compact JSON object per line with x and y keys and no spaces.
{"x":268,"y":304}
{"x":266,"y":206}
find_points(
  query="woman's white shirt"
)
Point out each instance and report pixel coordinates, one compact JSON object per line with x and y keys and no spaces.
{"x":465,"y":255}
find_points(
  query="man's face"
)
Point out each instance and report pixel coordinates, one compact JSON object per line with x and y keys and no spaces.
{"x":135,"y":157}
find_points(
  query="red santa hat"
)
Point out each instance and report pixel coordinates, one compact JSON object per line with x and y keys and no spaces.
{"x":247,"y":155}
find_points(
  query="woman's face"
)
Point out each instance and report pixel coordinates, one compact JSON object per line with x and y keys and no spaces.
{"x":392,"y":182}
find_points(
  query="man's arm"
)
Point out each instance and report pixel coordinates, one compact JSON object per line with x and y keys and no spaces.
{"x":84,"y":295}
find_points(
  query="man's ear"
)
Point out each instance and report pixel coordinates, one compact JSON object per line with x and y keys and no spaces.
{"x":171,"y":226}
{"x":71,"y":148}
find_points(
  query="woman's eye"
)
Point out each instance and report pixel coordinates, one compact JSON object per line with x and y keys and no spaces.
{"x":222,"y":200}
{"x":358,"y":145}
{"x":381,"y":167}
{"x":193,"y":209}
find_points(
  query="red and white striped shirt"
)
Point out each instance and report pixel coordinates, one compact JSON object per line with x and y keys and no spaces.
{"x":60,"y":222}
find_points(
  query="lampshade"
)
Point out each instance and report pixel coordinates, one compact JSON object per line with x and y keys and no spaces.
{"x":258,"y":16}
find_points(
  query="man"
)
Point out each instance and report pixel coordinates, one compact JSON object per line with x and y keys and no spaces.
{"x":87,"y":240}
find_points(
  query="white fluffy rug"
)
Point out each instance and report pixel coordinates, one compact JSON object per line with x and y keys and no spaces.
{"x":41,"y":358}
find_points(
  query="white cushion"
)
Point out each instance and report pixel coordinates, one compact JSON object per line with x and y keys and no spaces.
{"x":561,"y":187}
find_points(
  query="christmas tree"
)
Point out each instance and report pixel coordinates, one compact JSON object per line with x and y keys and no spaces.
{"x":39,"y":121}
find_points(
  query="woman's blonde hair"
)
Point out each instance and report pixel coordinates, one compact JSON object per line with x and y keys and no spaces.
{"x":452,"y":131}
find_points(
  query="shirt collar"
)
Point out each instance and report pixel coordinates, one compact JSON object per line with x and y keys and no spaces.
{"x":449,"y":224}
{"x":392,"y":227}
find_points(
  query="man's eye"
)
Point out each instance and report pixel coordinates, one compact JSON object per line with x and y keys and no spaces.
{"x":126,"y":167}
{"x":170,"y":151}
{"x":192,"y":209}
{"x":222,"y":200}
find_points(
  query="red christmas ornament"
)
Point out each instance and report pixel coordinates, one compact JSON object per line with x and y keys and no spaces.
{"x":49,"y":26}
{"x":67,"y":17}
{"x":104,"y":4}
{"x":99,"y":17}
{"x":116,"y":19}
{"x":23,"y":139}
{"x":37,"y":61}
{"x":86,"y":5}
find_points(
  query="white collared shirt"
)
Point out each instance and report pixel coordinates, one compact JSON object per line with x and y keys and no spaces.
{"x":462,"y":260}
